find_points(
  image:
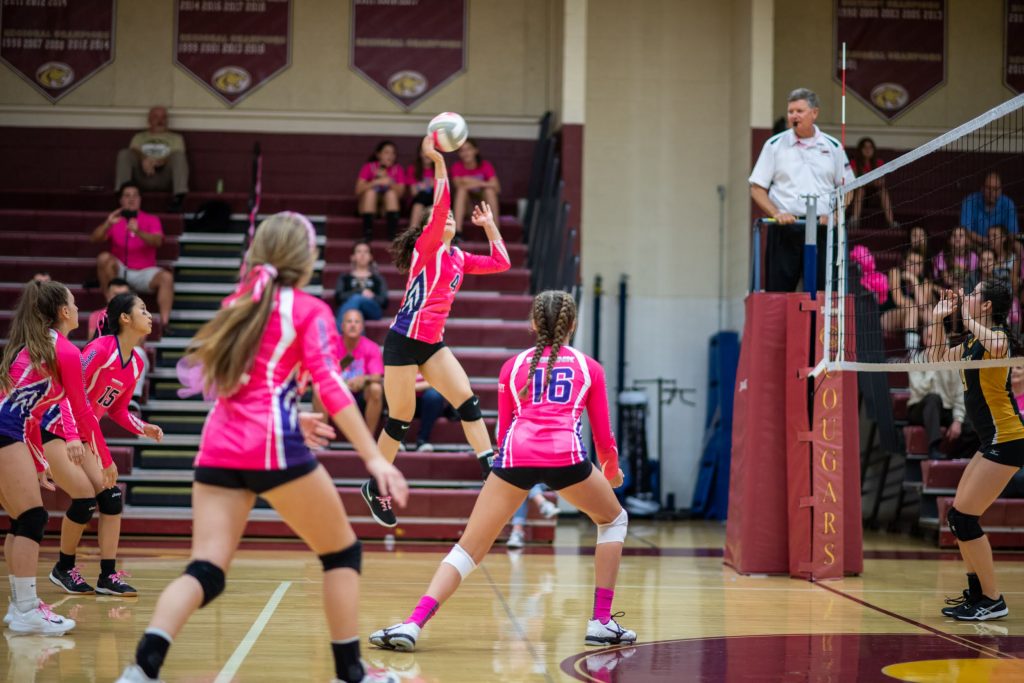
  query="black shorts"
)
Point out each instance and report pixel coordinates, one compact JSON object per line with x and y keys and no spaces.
{"x":401,"y":350}
{"x":257,"y":481}
{"x":556,"y":478}
{"x":47,"y":437}
{"x":6,"y":441}
{"x":1010,"y":453}
{"x":424,"y":198}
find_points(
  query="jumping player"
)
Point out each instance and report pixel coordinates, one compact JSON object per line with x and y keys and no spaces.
{"x":993,"y":410}
{"x":256,"y":356}
{"x":539,"y":421}
{"x":113,"y":365}
{"x":413,"y":345}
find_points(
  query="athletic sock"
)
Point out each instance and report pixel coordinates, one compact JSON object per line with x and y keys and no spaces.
{"x":24,"y":589}
{"x":152,"y":650}
{"x":973,"y":585}
{"x":347,"y":666}
{"x":107,"y":567}
{"x":391,"y":217}
{"x":425,"y":609}
{"x":367,"y":226}
{"x":603,"y":604}
{"x":66,"y":562}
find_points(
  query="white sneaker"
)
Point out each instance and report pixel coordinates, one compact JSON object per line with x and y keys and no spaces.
{"x":10,"y":613}
{"x":425,"y":447}
{"x":608,"y":634}
{"x":135,"y":674}
{"x":549,"y":509}
{"x":516,"y":539}
{"x":400,"y":637}
{"x":28,"y":656}
{"x":40,"y":620}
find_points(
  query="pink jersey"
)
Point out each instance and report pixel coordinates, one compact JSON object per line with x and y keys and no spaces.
{"x":128,"y":248}
{"x":257,"y":427}
{"x":423,"y":184}
{"x":435,"y":275}
{"x":536,"y":430}
{"x":370,"y":170}
{"x":22,"y":409}
{"x":109,"y":383}
{"x":484,"y":171}
{"x":365,"y":359}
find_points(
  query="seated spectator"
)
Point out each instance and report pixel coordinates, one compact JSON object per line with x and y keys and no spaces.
{"x":957,"y":262}
{"x":430,"y":406}
{"x":363,"y":287}
{"x":517,"y":539}
{"x":155,"y":160}
{"x":474,"y":180}
{"x":917,"y":238}
{"x":362,"y":368}
{"x":870,"y":279}
{"x":419,"y":177}
{"x":981,"y":210}
{"x":936,"y":397}
{"x":911,"y":295}
{"x":380,"y":185}
{"x":863,"y":161}
{"x":134,"y":237}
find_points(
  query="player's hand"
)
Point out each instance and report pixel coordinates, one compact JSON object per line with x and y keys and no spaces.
{"x":109,"y":476}
{"x":316,"y":432}
{"x":616,"y":481}
{"x":784,"y":218}
{"x":482,"y":215}
{"x":429,"y":150}
{"x":153,"y":432}
{"x":964,"y":313}
{"x":390,"y":481}
{"x":76,"y":451}
{"x":44,"y":481}
{"x":946,"y":306}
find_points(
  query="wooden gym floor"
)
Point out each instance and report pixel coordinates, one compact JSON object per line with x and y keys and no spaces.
{"x":522,"y":617}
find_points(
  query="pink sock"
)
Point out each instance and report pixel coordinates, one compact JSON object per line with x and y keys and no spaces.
{"x":425,"y":609}
{"x":603,"y":604}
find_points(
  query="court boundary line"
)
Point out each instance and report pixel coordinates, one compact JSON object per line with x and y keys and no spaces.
{"x":231,"y":667}
{"x":951,"y":637}
{"x":515,"y":623}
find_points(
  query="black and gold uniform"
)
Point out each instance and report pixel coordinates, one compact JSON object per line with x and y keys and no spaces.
{"x":992,"y":407}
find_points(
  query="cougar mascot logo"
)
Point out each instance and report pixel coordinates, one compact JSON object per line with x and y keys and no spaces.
{"x":231,"y":79}
{"x":889,"y":96}
{"x":407,"y":83}
{"x":55,"y":75}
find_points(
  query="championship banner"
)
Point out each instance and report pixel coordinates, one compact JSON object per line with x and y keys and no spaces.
{"x":1013,"y":46}
{"x":408,"y":49}
{"x":57,"y":46}
{"x":232,"y":46}
{"x":895,"y":51}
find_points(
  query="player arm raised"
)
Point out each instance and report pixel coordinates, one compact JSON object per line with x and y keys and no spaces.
{"x":947,"y":306}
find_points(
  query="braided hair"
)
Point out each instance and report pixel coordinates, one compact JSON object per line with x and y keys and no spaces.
{"x":553,"y":316}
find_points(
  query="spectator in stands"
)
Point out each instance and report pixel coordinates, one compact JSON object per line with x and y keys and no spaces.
{"x":155,"y":160}
{"x":419,"y":176}
{"x":380,"y":185}
{"x":989,"y":268}
{"x":936,"y":397}
{"x":981,"y":210}
{"x":517,"y":539}
{"x":134,"y":237}
{"x":474,"y":179}
{"x":430,"y":405}
{"x":1017,"y":386}
{"x":362,"y":368}
{"x":802,"y":161}
{"x":917,"y":238}
{"x":863,"y":162}
{"x":363,"y":287}
{"x":911,"y":295}
{"x":956,"y":264}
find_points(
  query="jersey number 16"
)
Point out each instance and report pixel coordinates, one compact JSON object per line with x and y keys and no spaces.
{"x":559,"y":388}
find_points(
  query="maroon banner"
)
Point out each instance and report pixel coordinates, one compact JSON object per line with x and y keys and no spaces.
{"x":56,"y":46}
{"x":895,"y":51}
{"x":1013,"y":46}
{"x":232,"y":46}
{"x":408,"y":49}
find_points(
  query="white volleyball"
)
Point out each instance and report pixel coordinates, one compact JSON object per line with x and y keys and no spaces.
{"x":449,"y":131}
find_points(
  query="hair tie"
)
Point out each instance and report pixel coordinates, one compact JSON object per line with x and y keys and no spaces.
{"x":255,"y":283}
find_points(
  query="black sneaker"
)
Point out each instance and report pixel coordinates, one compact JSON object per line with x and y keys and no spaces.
{"x":70,"y":581}
{"x":981,"y":609}
{"x":955,"y":602}
{"x":114,"y":584}
{"x":380,"y":506}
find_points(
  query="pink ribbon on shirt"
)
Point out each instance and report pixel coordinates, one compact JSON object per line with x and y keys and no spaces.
{"x":255,"y":282}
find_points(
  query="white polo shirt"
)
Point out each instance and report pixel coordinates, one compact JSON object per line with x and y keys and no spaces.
{"x":790,"y":167}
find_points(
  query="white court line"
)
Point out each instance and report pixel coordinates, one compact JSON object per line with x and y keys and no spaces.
{"x":242,"y":651}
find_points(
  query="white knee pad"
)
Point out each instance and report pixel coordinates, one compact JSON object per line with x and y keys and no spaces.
{"x":461,"y":560}
{"x":614,"y":531}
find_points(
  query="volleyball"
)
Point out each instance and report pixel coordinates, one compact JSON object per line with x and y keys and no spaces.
{"x":449,"y":131}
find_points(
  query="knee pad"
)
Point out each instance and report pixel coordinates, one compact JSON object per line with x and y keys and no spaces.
{"x":396,"y":429}
{"x":32,"y":524}
{"x":81,"y":509}
{"x":349,"y":558}
{"x":470,"y":410}
{"x":110,"y":501}
{"x":461,"y":560}
{"x":209,"y":576}
{"x":614,"y":531}
{"x":964,"y":527}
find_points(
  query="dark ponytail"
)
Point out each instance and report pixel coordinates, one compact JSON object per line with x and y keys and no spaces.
{"x":997,"y":292}
{"x":110,"y":323}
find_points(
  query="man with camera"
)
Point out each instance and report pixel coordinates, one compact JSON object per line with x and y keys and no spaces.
{"x":134,"y":238}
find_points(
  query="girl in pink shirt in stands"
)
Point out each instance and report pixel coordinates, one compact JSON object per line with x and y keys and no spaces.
{"x":542,"y":393}
{"x":256,"y":356}
{"x":381,"y":182}
{"x":474,"y":180}
{"x":419,"y":178}
{"x":113,"y":365}
{"x":39,"y":368}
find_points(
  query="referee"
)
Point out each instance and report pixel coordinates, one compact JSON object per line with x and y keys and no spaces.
{"x":797,"y":162}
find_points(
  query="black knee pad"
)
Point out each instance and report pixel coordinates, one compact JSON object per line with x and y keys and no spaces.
{"x":110,"y":501}
{"x":81,"y":509}
{"x":349,"y":558}
{"x":396,"y":429}
{"x":470,"y":410}
{"x":964,"y":527}
{"x":209,"y":576}
{"x":32,"y":524}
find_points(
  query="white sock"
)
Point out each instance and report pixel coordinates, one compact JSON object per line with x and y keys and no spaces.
{"x":160,"y":633}
{"x":24,"y":590}
{"x":10,"y":580}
